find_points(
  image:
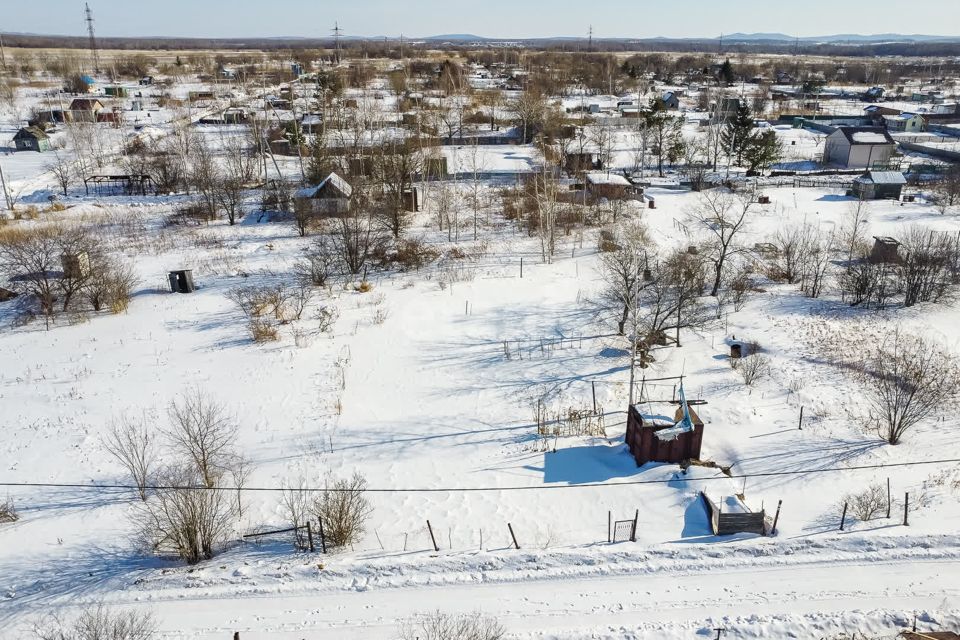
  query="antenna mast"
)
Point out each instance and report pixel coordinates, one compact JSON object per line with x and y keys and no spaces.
{"x":590,"y":39}
{"x":93,"y":39}
{"x":336,"y":39}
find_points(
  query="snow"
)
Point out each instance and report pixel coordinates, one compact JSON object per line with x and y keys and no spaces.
{"x":427,"y":403}
{"x":867,"y":137}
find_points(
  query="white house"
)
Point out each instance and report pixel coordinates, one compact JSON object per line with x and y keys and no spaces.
{"x":859,"y":147}
{"x":904,"y":123}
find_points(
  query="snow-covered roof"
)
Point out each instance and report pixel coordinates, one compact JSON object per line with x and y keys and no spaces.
{"x":866,"y":135}
{"x":332,"y":180}
{"x":608,"y":178}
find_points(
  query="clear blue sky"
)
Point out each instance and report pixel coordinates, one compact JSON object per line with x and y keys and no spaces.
{"x":492,"y":18}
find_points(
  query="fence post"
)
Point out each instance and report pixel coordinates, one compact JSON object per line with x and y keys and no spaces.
{"x":888,"y":498}
{"x":323,"y":538}
{"x":512,"y":535}
{"x":776,"y":517}
{"x":906,"y":509}
{"x":843,"y":518}
{"x":609,"y":526}
{"x":633,"y":529}
{"x":800,"y":423}
{"x":310,"y":536}
{"x":434,"y":540}
{"x":521,"y":267}
{"x":593,"y":387}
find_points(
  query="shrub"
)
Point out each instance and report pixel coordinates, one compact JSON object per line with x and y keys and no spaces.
{"x":344,"y":510}
{"x":867,"y":504}
{"x":262,"y":331}
{"x":751,"y":368}
{"x":327,"y":316}
{"x":413,"y":254}
{"x":8,"y":512}
{"x":99,"y":623}
{"x":364,"y":287}
{"x":444,"y":626}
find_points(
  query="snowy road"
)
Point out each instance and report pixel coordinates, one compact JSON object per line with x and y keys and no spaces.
{"x":792,"y":600}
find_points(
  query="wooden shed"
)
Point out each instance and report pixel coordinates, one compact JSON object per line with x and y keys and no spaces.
{"x":885,"y":250}
{"x":730,"y":514}
{"x":653,"y":438}
{"x":330,"y":198}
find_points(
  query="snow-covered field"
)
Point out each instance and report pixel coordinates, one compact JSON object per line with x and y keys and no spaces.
{"x":413,"y":389}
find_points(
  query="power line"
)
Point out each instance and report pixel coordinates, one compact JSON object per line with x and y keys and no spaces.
{"x":768,"y":474}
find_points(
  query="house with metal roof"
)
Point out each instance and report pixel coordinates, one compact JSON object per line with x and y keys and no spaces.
{"x":879,"y":185}
{"x":859,"y":147}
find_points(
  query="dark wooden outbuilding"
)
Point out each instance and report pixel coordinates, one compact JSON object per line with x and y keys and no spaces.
{"x":885,"y":250}
{"x":647,"y":447}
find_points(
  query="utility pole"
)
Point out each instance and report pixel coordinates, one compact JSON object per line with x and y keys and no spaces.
{"x":590,"y":39}
{"x":337,"y":31}
{"x":6,"y":194}
{"x":93,"y":39}
{"x":3,"y":57}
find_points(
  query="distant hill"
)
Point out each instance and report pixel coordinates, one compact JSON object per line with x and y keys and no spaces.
{"x":457,"y":37}
{"x":837,"y":38}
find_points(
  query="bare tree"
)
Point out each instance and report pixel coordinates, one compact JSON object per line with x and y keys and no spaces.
{"x":930,"y":265}
{"x":671,"y":301}
{"x":62,"y":170}
{"x":132,"y":443}
{"x":623,"y":268}
{"x":906,"y":379}
{"x":853,"y":231}
{"x":722,"y":215}
{"x":186,"y":520}
{"x":202,"y":432}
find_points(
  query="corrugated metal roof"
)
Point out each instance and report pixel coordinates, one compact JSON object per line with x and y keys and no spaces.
{"x":887,"y":177}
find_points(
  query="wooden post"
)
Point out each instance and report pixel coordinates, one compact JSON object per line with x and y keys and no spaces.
{"x":434,"y":540}
{"x":906,"y":509}
{"x":512,"y":535}
{"x":800,"y":423}
{"x":236,"y":635}
{"x":776,"y":517}
{"x":888,"y":498}
{"x":633,"y":529}
{"x":323,"y":538}
{"x":843,"y":518}
{"x":593,"y":387}
{"x":521,"y":267}
{"x":310,"y":537}
{"x":609,"y":525}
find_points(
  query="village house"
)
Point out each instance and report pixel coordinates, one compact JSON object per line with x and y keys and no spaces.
{"x":859,"y":147}
{"x":31,"y":139}
{"x":905,"y":123}
{"x":85,"y":109}
{"x":329,"y":198}
{"x":879,"y":185}
{"x":611,"y":186}
{"x":670,"y":100}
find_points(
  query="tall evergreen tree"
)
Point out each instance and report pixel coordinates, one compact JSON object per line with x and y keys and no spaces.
{"x":726,"y":72}
{"x":736,"y":132}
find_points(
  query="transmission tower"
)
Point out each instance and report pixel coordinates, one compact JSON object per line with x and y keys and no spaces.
{"x":93,"y":40}
{"x":590,"y":39}
{"x":337,"y":31}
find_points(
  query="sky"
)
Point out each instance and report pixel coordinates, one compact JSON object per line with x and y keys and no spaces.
{"x":491,"y":18}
